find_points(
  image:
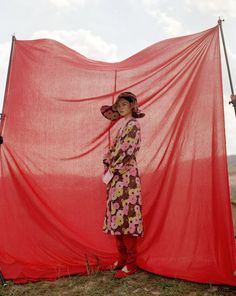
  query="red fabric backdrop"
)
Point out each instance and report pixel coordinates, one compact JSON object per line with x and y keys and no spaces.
{"x":52,"y":197}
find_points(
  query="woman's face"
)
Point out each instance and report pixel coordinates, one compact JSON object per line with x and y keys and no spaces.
{"x":123,"y":107}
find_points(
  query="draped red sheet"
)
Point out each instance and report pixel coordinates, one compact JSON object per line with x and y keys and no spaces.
{"x":52,"y":198}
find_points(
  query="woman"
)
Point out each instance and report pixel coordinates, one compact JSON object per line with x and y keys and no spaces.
{"x":123,"y":217}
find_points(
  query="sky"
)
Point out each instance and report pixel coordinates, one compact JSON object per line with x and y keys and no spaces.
{"x":113,"y":30}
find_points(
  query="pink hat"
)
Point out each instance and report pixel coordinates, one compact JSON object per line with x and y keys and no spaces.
{"x":111,"y":112}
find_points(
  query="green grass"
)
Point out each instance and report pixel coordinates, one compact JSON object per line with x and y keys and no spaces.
{"x":232,"y":173}
{"x":104,"y":284}
{"x":231,"y":164}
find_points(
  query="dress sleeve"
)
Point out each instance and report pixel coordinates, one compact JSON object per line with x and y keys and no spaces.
{"x":107,"y":159}
{"x":108,"y":156}
{"x":128,"y":146}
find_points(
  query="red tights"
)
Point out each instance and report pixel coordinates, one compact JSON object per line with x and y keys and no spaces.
{"x":126,"y":245}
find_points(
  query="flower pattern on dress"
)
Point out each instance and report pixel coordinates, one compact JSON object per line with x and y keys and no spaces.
{"x":124,"y":211}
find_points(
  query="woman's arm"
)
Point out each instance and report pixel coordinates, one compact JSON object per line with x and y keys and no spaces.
{"x":129,"y":144}
{"x":107,"y":160}
{"x":108,"y":156}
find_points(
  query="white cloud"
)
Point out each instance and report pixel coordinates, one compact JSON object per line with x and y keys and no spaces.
{"x":217,"y":7}
{"x":67,"y":3}
{"x":172,"y":26}
{"x":163,"y":10}
{"x":231,"y":55}
{"x":84,"y":42}
{"x":4,"y":55}
{"x":4,"y":60}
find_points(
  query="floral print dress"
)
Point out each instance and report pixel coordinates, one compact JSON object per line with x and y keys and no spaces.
{"x":124,"y":206}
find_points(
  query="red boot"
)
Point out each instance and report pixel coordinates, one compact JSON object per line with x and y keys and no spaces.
{"x":131,"y":251}
{"x":123,"y":273}
{"x":122,"y":253}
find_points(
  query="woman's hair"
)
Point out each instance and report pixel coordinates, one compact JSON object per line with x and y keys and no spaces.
{"x":132,"y":99}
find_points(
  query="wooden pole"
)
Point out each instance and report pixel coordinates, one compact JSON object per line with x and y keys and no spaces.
{"x":2,"y":115}
{"x":233,"y":96}
{"x":2,"y":279}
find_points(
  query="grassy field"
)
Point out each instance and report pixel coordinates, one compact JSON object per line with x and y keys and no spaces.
{"x":104,"y":284}
{"x":231,"y":164}
{"x":232,"y":176}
